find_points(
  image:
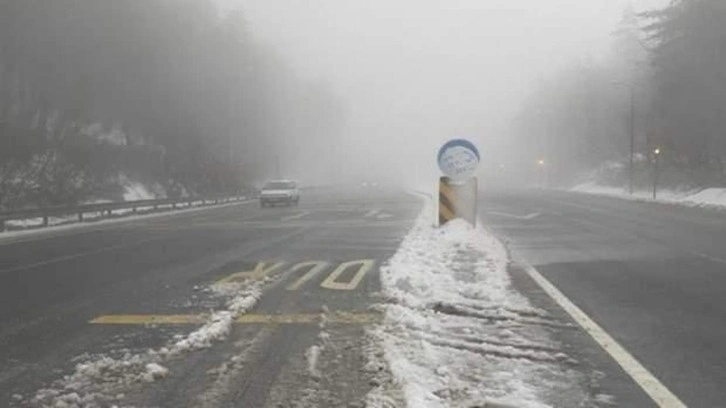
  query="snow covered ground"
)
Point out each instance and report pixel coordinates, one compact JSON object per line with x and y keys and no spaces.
{"x":456,"y":334}
{"x":709,"y":197}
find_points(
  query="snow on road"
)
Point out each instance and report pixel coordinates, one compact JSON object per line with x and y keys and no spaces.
{"x":456,"y":334}
{"x":101,"y":380}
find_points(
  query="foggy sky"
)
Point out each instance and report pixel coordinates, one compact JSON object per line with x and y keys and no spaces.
{"x":414,"y":73}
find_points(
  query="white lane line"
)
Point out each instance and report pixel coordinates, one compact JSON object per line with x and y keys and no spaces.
{"x":65,"y":230}
{"x":518,"y":217}
{"x":295,"y":216}
{"x":709,"y":257}
{"x":79,"y":255}
{"x":122,"y":246}
{"x":323,"y":224}
{"x":349,"y":247}
{"x":580,"y":206}
{"x":658,"y":392}
{"x":371,"y":213}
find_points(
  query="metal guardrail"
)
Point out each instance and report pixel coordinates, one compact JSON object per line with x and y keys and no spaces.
{"x":107,"y":208}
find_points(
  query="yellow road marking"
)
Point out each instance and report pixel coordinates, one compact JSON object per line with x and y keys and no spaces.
{"x":295,"y":216}
{"x":149,"y":319}
{"x":331,"y":283}
{"x":353,"y":318}
{"x":317,"y":267}
{"x":259,"y":272}
{"x":288,"y":318}
{"x":292,"y":318}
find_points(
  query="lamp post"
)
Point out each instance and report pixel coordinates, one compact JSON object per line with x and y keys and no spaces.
{"x":632,"y":131}
{"x":656,"y":154}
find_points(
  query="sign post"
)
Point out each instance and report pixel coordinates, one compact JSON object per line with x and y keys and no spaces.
{"x":458,"y":159}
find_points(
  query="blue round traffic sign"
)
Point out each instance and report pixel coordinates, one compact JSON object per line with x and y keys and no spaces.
{"x":458,"y":159}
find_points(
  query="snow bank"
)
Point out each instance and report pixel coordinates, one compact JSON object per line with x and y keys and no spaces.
{"x":455,"y":334}
{"x":707,"y":198}
{"x":101,"y":380}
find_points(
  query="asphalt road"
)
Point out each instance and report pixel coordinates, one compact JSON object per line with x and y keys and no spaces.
{"x":54,"y":284}
{"x":652,"y":275}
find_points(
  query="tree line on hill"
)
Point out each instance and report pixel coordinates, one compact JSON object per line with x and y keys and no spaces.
{"x":171,"y":93}
{"x":672,"y":62}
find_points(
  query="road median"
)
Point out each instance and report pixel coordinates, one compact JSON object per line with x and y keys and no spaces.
{"x":455,"y":333}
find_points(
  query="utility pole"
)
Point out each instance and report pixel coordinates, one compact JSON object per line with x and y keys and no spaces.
{"x":277,"y":167}
{"x":632,"y":139}
{"x":631,"y":167}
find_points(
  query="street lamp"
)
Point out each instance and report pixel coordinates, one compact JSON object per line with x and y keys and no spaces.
{"x":656,"y":154}
{"x":542,"y":173}
{"x":632,"y":131}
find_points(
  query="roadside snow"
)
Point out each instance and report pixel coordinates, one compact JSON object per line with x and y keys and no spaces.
{"x":136,"y":191}
{"x":52,"y":221}
{"x":455,"y":334}
{"x":707,"y":198}
{"x":101,"y":380}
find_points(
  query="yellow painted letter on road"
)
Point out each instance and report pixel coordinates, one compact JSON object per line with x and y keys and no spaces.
{"x":261,"y":270}
{"x":364,"y":265}
{"x":315,"y":268}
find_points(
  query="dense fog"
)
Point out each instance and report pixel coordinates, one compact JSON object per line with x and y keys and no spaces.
{"x":415,"y":73}
{"x":197,"y":96}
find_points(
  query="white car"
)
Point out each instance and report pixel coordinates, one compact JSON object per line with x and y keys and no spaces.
{"x":279,"y":191}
